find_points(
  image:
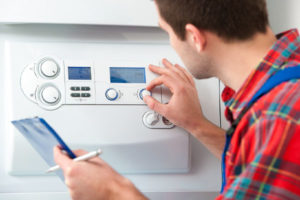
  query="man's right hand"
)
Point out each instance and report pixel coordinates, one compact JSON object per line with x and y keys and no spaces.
{"x":184,"y":108}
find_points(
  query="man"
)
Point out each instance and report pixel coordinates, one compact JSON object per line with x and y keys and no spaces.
{"x":230,"y":40}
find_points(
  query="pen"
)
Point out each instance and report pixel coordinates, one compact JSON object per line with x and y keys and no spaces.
{"x":80,"y":158}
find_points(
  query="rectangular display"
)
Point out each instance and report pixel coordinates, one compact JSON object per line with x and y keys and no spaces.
{"x":79,"y":73}
{"x":127,"y":75}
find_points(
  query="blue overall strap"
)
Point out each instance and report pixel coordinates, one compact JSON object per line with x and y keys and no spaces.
{"x":278,"y":78}
{"x":275,"y":80}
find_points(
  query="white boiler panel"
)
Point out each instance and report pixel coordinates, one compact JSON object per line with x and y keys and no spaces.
{"x":74,"y":97}
{"x":87,"y":82}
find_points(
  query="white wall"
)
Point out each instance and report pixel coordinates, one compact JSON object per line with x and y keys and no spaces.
{"x":284,"y":14}
{"x":107,"y":12}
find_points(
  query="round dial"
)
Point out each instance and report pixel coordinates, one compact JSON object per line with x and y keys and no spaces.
{"x":49,"y":68}
{"x":144,"y":93}
{"x":151,"y":118}
{"x":50,"y":95}
{"x":112,"y":94}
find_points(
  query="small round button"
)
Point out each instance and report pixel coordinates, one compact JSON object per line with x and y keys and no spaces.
{"x":50,"y":95}
{"x":151,"y":118}
{"x":49,"y":68}
{"x":144,"y":93}
{"x":112,"y":94}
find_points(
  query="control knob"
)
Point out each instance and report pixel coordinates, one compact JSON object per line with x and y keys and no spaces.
{"x":151,"y":118}
{"x":144,"y":93}
{"x":49,"y":68}
{"x":50,"y":95}
{"x":112,"y":94}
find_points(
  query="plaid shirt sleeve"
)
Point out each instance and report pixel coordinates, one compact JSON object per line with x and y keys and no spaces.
{"x":271,"y":170}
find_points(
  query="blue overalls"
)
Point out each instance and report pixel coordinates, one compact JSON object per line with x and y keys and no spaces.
{"x":275,"y":80}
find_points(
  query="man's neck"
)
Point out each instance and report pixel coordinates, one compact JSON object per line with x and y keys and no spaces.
{"x":235,"y":61}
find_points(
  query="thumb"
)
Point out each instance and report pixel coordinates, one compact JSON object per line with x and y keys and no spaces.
{"x":61,"y":159}
{"x":155,"y":105}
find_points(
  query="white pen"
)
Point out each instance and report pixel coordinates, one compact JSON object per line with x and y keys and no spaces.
{"x":80,"y":158}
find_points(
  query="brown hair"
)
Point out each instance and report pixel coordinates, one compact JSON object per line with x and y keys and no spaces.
{"x":229,"y":19}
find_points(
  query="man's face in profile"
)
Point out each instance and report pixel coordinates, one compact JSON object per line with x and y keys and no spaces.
{"x":198,"y":63}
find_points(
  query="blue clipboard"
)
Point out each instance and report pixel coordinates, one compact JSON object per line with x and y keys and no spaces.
{"x":43,"y":138}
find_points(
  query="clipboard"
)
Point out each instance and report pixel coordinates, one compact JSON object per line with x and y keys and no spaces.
{"x":43,"y":138}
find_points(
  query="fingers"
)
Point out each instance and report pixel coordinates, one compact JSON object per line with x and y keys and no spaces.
{"x":61,"y":159}
{"x":167,"y":81}
{"x":170,"y":76}
{"x":80,"y":152}
{"x":167,"y":63}
{"x":155,"y":105}
{"x":160,"y":70}
{"x":186,"y":73}
{"x":172,"y":71}
{"x":168,"y":71}
{"x":179,"y":70}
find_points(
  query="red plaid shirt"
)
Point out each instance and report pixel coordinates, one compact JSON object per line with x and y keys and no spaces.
{"x":263,"y":159}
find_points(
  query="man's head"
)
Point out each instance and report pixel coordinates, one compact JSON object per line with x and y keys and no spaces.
{"x":188,"y":23}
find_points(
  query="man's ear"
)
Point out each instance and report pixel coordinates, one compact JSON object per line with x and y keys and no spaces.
{"x":195,"y":37}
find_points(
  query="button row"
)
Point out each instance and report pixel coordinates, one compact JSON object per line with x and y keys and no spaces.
{"x":80,"y":88}
{"x":112,"y":94}
{"x":81,"y":95}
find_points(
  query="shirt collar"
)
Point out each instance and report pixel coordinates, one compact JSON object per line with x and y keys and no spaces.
{"x":275,"y":60}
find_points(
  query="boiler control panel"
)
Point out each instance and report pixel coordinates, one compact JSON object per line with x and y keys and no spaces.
{"x":51,"y":83}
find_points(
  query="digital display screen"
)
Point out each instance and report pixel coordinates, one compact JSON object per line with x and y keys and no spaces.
{"x":79,"y":73}
{"x":127,"y":75}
